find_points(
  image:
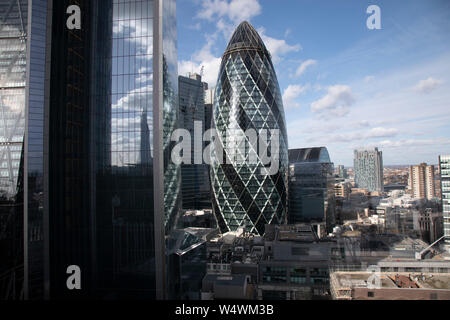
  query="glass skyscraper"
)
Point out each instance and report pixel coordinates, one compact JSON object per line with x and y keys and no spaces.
{"x":86,"y":177}
{"x":368,"y":167}
{"x":248,"y":97}
{"x":311,"y":186}
{"x":196,"y":186}
{"x":444,"y":168}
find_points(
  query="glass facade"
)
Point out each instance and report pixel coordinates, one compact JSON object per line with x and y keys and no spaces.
{"x":196,"y":188}
{"x":172,"y":172}
{"x":311,"y":186}
{"x":248,"y":97}
{"x":444,"y":163}
{"x":80,"y":144}
{"x":13,"y":70}
{"x":368,"y":167}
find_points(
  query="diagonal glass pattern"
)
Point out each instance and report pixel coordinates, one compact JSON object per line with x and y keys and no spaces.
{"x":248,"y":97}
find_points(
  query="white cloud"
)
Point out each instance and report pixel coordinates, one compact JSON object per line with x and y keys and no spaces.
{"x":226,"y":15}
{"x":427,"y":85}
{"x":363,"y":124}
{"x":359,"y":135}
{"x":203,"y":58}
{"x":413,"y":143}
{"x":277,"y":47}
{"x":290,"y":94}
{"x":305,"y":64}
{"x":336,"y":102}
{"x":380,"y":132}
{"x":287,"y":33}
{"x":235,"y":10}
{"x":197,"y":26}
{"x":368,"y":79}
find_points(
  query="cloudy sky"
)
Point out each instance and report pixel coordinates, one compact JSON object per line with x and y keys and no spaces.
{"x":344,"y":86}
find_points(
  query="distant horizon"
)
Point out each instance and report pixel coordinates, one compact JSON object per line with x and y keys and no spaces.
{"x":344,"y":86}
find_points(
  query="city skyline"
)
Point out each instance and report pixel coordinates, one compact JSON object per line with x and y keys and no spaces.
{"x":132,"y":168}
{"x":344,"y":86}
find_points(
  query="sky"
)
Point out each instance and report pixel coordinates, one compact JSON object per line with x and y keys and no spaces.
{"x":344,"y":85}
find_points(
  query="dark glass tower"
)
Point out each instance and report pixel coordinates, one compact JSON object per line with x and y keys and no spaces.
{"x":248,"y":97}
{"x":311,"y":186}
{"x":94,"y":185}
{"x":13,"y":79}
{"x":196,"y":188}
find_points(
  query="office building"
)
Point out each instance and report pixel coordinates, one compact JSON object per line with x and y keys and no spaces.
{"x":342,"y":172}
{"x":196,"y":188}
{"x":444,"y":168}
{"x":248,"y":97}
{"x":421,"y":181}
{"x":289,"y":263}
{"x":311,"y":186}
{"x":368,"y":166}
{"x":342,"y":190}
{"x":88,"y":114}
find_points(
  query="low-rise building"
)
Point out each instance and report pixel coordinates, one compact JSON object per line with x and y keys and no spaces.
{"x":389,"y":286}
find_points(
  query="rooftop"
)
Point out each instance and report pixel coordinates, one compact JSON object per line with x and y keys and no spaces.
{"x":393,"y":280}
{"x":319,"y":154}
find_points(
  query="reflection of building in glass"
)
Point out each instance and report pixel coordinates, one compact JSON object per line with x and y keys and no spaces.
{"x":196,"y":188}
{"x":421,"y":181}
{"x":97,"y":109}
{"x":368,"y":166}
{"x":13,"y":93}
{"x":186,"y":251}
{"x":444,"y":164}
{"x":311,"y":186}
{"x":248,"y":97}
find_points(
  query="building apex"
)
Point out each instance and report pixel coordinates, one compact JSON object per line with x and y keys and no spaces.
{"x":245,"y":37}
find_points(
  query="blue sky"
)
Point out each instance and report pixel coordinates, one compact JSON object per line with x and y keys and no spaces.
{"x":344,"y":86}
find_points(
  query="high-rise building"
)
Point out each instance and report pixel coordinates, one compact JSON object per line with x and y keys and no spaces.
{"x":87,"y":115}
{"x":444,"y":166}
{"x":342,"y":173}
{"x":368,"y":166}
{"x":311,"y":186}
{"x":248,"y":97}
{"x":209,"y":99}
{"x":196,"y":188}
{"x":421,"y":181}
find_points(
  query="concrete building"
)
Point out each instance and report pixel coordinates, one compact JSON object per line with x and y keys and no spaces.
{"x":289,"y":263}
{"x":368,"y":166}
{"x":421,"y":181}
{"x":342,"y":190}
{"x":390,"y":286}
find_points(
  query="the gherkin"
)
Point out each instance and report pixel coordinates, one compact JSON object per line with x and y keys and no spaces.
{"x":248,"y":97}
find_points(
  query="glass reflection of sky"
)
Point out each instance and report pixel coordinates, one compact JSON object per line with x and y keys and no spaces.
{"x":132,"y":82}
{"x":12,"y":98}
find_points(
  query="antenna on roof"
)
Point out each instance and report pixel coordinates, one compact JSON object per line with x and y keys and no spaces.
{"x":202,"y":71}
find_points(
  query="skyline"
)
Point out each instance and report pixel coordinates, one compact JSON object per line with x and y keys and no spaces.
{"x":344,"y":86}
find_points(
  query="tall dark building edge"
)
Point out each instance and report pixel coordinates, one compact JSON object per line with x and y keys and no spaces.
{"x":90,"y":182}
{"x":248,"y":97}
{"x":196,"y":191}
{"x":311,"y":187}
